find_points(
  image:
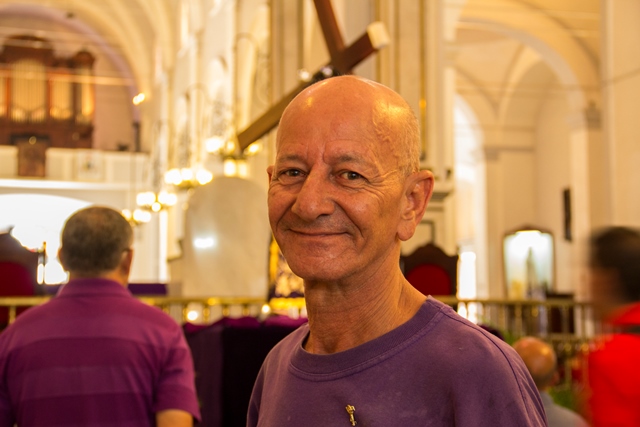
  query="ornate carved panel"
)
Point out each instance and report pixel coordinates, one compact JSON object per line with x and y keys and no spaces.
{"x":45,"y":96}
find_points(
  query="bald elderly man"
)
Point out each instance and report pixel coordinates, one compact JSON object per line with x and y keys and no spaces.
{"x":345,"y":190}
{"x":541,"y":361}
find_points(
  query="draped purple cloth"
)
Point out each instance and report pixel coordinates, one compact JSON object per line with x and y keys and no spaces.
{"x":227,"y":356}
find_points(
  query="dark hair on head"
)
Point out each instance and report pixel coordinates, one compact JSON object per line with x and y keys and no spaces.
{"x":618,"y":249}
{"x":492,"y":330}
{"x":93,"y":241}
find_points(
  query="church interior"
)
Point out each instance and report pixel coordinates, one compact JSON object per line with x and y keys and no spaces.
{"x":167,"y":110}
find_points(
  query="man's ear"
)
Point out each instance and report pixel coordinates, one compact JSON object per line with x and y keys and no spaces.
{"x":555,"y":379}
{"x":270,"y":172}
{"x":61,"y":259}
{"x":417,"y":192}
{"x":125,"y":262}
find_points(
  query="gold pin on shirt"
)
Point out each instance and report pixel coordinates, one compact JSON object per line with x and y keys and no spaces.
{"x":351,"y":410}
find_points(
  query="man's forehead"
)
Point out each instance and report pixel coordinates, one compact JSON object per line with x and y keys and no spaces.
{"x":327,"y":126}
{"x":338,"y":148}
{"x":341,"y":122}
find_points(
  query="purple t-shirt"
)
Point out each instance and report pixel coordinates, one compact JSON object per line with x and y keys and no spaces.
{"x":437,"y":369}
{"x":94,"y":356}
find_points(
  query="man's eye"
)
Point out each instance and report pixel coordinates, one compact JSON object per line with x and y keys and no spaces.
{"x":291,"y":173}
{"x":351,"y":176}
{"x":290,"y":176}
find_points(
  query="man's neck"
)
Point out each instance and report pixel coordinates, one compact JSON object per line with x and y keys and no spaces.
{"x":344,"y":317}
{"x":112,"y":275}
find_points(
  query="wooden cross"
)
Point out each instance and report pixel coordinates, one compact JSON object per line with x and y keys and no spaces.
{"x":343,"y":59}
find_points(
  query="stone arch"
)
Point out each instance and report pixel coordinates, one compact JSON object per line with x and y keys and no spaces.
{"x":550,"y":59}
{"x":575,"y":70}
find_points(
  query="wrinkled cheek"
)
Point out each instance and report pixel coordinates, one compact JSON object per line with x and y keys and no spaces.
{"x":280,"y":227}
{"x":381,"y":207}
{"x":276,"y":208}
{"x":273,"y":217}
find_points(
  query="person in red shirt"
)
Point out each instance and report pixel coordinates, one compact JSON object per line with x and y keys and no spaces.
{"x":613,"y":372}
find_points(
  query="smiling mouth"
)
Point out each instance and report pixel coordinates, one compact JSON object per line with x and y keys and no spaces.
{"x":316,"y":233}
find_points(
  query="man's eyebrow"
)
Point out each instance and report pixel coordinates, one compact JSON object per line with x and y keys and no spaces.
{"x":349,"y":158}
{"x":355,"y":159}
{"x":288,"y":157}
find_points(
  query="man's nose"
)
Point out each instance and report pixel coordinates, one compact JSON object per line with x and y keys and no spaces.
{"x":315,"y":198}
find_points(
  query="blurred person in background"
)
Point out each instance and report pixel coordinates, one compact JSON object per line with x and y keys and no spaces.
{"x":542,"y":363}
{"x":613,"y":372}
{"x":94,"y":355}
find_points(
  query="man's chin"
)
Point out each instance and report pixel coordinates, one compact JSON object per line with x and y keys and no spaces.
{"x":324,"y":271}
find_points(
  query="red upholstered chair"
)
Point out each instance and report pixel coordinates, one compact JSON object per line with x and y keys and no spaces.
{"x":18,"y":267}
{"x":15,"y":280}
{"x":431,"y":271}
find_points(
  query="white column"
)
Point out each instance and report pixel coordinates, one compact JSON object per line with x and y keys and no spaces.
{"x":580,"y":206}
{"x":621,"y":89}
{"x":494,"y":224}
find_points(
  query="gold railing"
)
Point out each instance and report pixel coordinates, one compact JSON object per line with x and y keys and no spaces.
{"x":226,"y":305}
{"x":14,"y":302}
{"x":177,"y":307}
{"x":567,"y":324}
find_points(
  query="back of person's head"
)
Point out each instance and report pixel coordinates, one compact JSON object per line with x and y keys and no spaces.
{"x":493,"y":331}
{"x":94,"y":240}
{"x":617,"y":249}
{"x":540,"y":360}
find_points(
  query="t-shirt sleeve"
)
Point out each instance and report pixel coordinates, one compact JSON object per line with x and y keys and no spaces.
{"x":491,"y":385}
{"x":507,"y":397}
{"x":176,"y":383}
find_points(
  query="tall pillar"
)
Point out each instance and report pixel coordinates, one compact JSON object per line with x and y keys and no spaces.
{"x":438,"y":102}
{"x":580,"y":142}
{"x":621,"y":87}
{"x":495,"y":288}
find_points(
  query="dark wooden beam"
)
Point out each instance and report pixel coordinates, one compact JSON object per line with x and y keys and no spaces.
{"x":330,"y":30}
{"x":343,"y":60}
{"x":266,"y":122}
{"x":354,"y":54}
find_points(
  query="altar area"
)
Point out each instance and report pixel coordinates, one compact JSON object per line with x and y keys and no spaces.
{"x":231,"y":336}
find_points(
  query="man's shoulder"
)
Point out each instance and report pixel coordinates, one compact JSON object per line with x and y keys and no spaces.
{"x":110,"y":297}
{"x":144,"y":316}
{"x":294,"y":338}
{"x":126,"y":304}
{"x":455,"y":347}
{"x":287,"y":345}
{"x":452,"y":329}
{"x":129,"y":319}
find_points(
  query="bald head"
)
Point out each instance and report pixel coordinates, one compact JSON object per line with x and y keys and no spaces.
{"x":375,"y":110}
{"x":539,"y":358}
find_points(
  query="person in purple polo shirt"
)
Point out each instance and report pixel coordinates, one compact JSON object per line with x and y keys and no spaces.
{"x":345,"y":190}
{"x":94,"y":355}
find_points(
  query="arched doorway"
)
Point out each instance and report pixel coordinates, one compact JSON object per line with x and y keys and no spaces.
{"x":37,"y":220}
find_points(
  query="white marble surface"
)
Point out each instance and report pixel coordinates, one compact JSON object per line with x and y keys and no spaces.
{"x":226,"y":240}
